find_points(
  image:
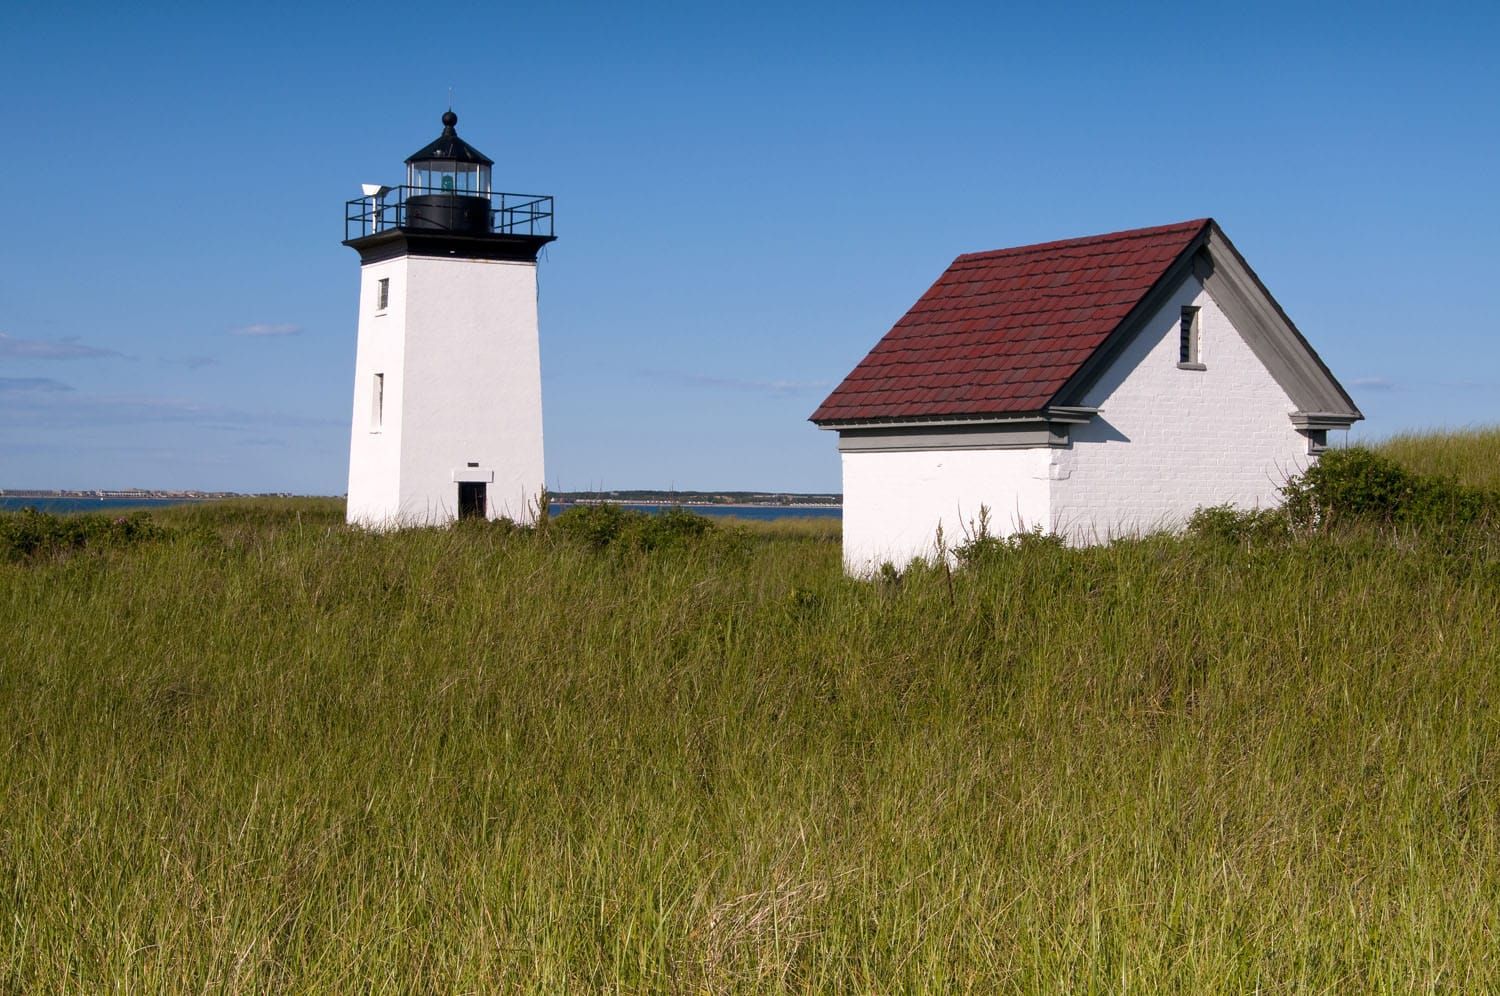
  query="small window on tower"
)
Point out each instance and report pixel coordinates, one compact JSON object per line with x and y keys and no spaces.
{"x":377,"y":403}
{"x":383,"y":294}
{"x":1188,"y":356}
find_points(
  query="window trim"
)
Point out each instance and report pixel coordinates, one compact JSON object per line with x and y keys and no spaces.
{"x":1190,"y":338}
{"x":377,"y":403}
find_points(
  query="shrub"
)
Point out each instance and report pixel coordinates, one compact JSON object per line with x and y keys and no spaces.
{"x":28,"y":533}
{"x":672,"y":528}
{"x":1227,"y":524}
{"x":604,"y":525}
{"x":984,"y":547}
{"x":596,"y":525}
{"x":1357,"y":484}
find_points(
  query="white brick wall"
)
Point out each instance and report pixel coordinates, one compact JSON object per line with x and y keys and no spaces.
{"x":1168,"y":440}
{"x":894,"y":502}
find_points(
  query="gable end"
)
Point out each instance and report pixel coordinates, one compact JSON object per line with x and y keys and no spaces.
{"x":1255,"y":314}
{"x":1272,"y":336}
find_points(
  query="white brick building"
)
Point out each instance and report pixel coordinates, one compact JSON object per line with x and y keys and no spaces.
{"x":1093,"y":388}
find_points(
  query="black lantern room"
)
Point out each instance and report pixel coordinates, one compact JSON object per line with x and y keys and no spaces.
{"x":449,"y":181}
{"x":447,"y":197}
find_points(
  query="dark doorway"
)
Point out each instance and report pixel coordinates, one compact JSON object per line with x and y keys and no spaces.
{"x":471,"y":500}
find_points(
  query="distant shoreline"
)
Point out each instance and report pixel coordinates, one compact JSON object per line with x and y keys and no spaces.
{"x":697,"y":504}
{"x":107,"y":495}
{"x":664,"y":499}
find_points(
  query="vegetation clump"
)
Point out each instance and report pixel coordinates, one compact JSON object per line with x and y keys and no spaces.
{"x":984,"y":547}
{"x":606,"y":524}
{"x":28,"y":533}
{"x":1353,"y":487}
{"x":1358,"y":485}
{"x":1228,"y":524}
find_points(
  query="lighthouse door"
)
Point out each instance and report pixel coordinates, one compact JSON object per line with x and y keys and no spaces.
{"x":471,"y":500}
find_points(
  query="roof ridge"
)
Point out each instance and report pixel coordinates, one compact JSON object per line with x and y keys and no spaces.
{"x":1085,"y":240}
{"x":1004,"y":331}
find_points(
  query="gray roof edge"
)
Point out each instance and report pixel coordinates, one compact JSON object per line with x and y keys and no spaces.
{"x":1271,"y":333}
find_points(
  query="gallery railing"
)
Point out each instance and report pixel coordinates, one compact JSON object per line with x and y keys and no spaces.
{"x":508,"y":214}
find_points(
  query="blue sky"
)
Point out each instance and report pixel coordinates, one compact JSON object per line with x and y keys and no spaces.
{"x":747,"y":198}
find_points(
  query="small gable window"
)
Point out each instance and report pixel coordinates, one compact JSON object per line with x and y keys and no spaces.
{"x":1189,"y":339}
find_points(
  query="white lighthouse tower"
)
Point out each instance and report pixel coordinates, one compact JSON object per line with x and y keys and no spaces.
{"x":447,"y":376}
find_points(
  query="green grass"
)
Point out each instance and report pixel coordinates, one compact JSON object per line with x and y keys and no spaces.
{"x":1470,"y":456}
{"x":268,"y":753}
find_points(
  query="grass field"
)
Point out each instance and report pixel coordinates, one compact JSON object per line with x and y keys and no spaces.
{"x":262,"y":752}
{"x":1471,"y":456}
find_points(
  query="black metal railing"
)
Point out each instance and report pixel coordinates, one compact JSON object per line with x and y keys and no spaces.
{"x":509,"y":214}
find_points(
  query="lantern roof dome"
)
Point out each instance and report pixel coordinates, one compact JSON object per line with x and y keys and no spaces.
{"x":448,"y":146}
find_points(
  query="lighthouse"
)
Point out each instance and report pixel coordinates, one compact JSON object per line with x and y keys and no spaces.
{"x":447,"y":419}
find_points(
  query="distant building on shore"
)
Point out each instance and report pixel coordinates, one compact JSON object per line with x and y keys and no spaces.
{"x":1091,"y":388}
{"x":447,"y":418}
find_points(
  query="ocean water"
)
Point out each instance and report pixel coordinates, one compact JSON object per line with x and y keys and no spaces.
{"x":9,"y":504}
{"x":732,"y":511}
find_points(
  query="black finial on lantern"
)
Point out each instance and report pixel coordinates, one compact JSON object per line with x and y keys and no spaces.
{"x":448,"y":184}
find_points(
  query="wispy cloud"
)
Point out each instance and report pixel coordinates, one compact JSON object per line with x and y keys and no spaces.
{"x":42,"y":384}
{"x":265,"y":330}
{"x":778,"y":388}
{"x":191,"y":362}
{"x":39,"y":406}
{"x":68,"y":348}
{"x":1385,"y":384}
{"x":1468,"y":385}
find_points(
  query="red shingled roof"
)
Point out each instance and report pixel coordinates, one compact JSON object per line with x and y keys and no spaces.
{"x":1001,"y":332}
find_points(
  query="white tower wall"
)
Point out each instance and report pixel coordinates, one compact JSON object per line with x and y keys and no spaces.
{"x":375,"y":438}
{"x":458,"y":347}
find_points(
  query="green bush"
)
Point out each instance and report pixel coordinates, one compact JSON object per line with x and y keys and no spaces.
{"x":595,"y":525}
{"x":606,"y":525}
{"x":1227,"y":524}
{"x":672,"y":528}
{"x":28,"y":533}
{"x":985,"y":547}
{"x":1358,"y":485}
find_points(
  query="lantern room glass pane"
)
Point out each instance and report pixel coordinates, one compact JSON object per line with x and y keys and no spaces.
{"x":446,"y":176}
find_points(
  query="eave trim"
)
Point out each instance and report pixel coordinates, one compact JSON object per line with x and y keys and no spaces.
{"x":1069,"y":414}
{"x":1323,"y":420}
